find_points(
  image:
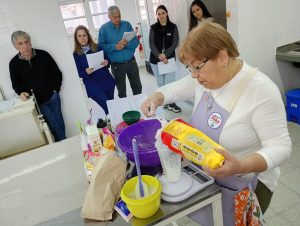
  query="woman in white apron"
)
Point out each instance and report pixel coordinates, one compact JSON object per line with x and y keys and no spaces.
{"x":241,"y":109}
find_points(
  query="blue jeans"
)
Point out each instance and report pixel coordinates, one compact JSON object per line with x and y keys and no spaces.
{"x":52,"y":114}
{"x":163,"y":79}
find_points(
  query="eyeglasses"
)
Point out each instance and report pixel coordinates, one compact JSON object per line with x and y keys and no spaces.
{"x":196,"y":69}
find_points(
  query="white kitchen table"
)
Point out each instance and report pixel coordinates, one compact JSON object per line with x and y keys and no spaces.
{"x":20,"y":128}
{"x":46,"y":186}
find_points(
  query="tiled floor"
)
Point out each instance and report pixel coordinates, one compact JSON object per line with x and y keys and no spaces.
{"x":285,"y":205}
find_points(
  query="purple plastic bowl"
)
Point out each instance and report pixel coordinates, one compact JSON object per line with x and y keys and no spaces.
{"x":144,"y":132}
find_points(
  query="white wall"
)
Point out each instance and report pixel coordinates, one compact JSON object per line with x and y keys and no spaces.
{"x":42,"y":20}
{"x":259,"y":27}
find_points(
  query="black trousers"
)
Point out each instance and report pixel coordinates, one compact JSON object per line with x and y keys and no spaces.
{"x":119,"y":71}
{"x":264,"y":196}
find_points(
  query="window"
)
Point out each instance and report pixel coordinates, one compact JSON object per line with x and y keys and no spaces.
{"x":90,"y":13}
{"x":147,"y":16}
{"x":143,"y":8}
{"x":99,"y":12}
{"x":155,"y":3}
{"x":73,"y":15}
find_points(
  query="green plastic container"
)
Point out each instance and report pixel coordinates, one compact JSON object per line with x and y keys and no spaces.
{"x":131,"y":117}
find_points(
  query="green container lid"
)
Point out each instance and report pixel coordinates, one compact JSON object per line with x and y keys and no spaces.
{"x":131,"y":117}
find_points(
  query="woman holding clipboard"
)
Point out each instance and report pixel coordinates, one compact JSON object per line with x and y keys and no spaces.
{"x":163,"y":40}
{"x":99,"y":84}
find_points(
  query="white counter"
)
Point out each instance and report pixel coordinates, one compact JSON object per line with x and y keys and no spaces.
{"x":42,"y":184}
{"x":19,"y":129}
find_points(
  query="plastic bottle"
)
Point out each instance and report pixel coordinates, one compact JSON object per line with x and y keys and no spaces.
{"x":87,"y":161}
{"x":83,"y":143}
{"x":106,"y":135}
{"x":100,"y":125}
{"x":109,"y":126}
{"x":192,"y":144}
{"x":93,"y":138}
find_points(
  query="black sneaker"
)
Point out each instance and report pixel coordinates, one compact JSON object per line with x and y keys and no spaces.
{"x":166,"y":106}
{"x":173,"y":107}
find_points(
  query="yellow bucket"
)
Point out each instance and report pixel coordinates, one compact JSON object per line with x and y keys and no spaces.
{"x":143,"y":207}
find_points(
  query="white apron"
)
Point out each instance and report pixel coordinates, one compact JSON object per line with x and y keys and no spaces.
{"x":210,"y":118}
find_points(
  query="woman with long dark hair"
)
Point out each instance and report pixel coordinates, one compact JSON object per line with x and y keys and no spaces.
{"x":163,"y":40}
{"x":99,"y":84}
{"x":198,"y":14}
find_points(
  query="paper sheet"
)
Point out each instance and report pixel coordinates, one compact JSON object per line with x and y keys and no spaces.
{"x":129,"y":35}
{"x":117,"y":107}
{"x":7,"y":105}
{"x":94,"y":60}
{"x":167,"y":68}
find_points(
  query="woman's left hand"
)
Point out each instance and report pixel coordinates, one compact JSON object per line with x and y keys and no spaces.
{"x":89,"y":70}
{"x":104,"y":63}
{"x":161,"y":57}
{"x":231,"y":166}
{"x":165,"y":60}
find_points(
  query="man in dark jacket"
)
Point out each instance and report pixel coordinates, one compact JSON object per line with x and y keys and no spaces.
{"x":35,"y":70}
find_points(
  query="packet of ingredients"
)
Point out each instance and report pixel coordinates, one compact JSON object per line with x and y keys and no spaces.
{"x":108,"y":132}
{"x":89,"y":157}
{"x":93,"y":138}
{"x":122,"y":209}
{"x":108,"y":142}
{"x":183,"y":139}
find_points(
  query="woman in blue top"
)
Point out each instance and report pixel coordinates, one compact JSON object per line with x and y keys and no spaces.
{"x":99,"y":84}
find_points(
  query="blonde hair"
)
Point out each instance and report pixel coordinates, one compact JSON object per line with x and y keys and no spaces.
{"x":205,"y":42}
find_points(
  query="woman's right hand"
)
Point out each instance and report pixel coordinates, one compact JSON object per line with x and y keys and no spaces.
{"x":24,"y":96}
{"x":161,"y":57}
{"x":89,"y":70}
{"x":150,"y":105}
{"x":104,"y":62}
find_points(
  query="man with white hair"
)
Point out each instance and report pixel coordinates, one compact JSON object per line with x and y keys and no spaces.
{"x":120,"y":52}
{"x":35,"y":71}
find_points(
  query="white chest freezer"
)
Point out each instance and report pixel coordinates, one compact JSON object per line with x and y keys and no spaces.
{"x":20,"y":129}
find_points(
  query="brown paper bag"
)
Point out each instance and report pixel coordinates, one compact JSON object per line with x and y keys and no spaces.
{"x":105,"y":186}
